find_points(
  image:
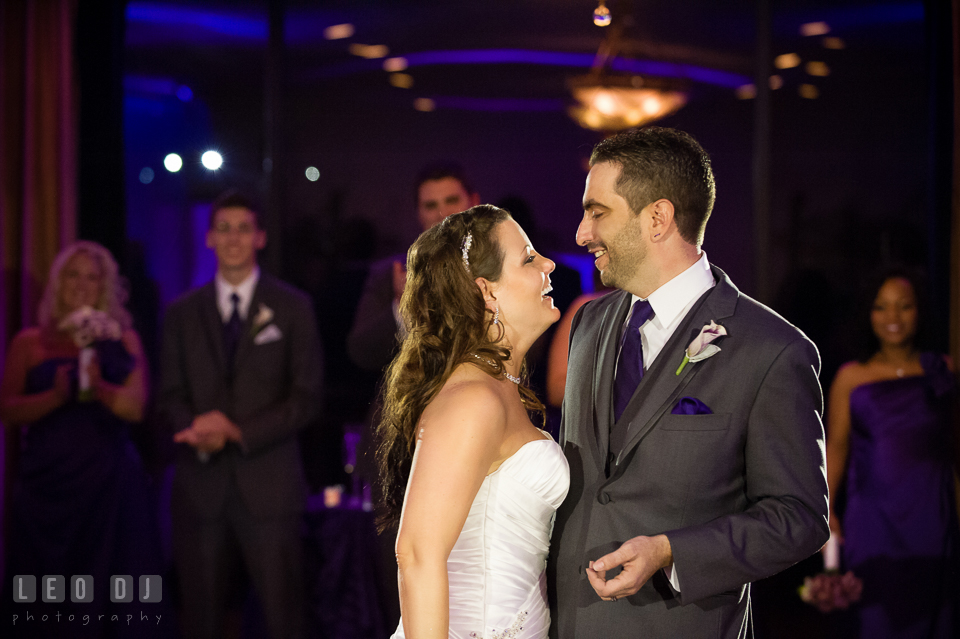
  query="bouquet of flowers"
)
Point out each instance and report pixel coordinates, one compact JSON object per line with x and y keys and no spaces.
{"x":830,"y":590}
{"x":86,"y":326}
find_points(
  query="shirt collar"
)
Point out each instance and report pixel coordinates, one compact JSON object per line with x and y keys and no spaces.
{"x":244,"y":291}
{"x":672,"y":298}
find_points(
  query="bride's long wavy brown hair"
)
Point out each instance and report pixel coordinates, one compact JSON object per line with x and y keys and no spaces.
{"x":447,"y":322}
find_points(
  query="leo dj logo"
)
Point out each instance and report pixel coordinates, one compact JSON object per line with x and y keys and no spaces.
{"x":53,"y":589}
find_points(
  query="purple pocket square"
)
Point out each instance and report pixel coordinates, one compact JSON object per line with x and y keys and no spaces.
{"x":691,"y":406}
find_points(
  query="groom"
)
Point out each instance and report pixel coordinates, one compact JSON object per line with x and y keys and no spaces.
{"x":689,"y":479}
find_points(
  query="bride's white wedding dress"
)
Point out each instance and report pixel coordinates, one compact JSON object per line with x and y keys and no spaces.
{"x":496,"y":569}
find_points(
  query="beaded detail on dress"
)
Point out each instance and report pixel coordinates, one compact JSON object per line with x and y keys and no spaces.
{"x":509,"y":633}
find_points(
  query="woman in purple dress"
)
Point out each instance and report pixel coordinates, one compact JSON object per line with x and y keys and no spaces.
{"x":891,"y":437}
{"x":80,"y":504}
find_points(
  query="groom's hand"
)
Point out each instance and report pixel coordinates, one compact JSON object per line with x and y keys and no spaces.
{"x":640,"y":558}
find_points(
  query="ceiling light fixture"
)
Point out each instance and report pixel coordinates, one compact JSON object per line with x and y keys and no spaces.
{"x":613,"y":103}
{"x":369,"y":51}
{"x":786,"y":61}
{"x":601,"y":15}
{"x":401,"y":80}
{"x":814,"y":29}
{"x":817,"y":68}
{"x":339,"y":31}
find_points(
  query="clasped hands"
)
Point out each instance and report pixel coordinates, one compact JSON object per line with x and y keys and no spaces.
{"x":63,"y":386}
{"x":209,"y":432}
{"x":640,"y":557}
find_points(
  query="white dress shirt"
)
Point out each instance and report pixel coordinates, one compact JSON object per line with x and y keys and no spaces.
{"x":244,"y":291}
{"x":671,"y":303}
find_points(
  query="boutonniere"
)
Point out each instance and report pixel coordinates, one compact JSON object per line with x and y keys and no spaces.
{"x":701,"y":348}
{"x":263,"y":317}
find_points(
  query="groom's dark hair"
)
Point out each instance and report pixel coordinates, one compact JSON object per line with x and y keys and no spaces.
{"x":658,"y":163}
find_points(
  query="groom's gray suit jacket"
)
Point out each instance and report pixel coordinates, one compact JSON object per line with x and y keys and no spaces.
{"x":741,"y":493}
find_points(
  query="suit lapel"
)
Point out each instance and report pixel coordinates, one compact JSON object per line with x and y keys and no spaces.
{"x":246,"y":337}
{"x":212,"y":323}
{"x":661,"y":385}
{"x":607,"y":346}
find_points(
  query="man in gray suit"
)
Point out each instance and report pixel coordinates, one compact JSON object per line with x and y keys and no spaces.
{"x":690,"y":477}
{"x":241,"y":376}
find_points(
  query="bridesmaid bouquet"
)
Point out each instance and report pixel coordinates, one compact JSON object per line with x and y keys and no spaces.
{"x":86,"y":326}
{"x":830,"y":590}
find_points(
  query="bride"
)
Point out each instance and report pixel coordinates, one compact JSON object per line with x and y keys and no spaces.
{"x":482,"y":483}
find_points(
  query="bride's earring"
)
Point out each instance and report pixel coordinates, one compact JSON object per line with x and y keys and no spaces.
{"x":496,"y":317}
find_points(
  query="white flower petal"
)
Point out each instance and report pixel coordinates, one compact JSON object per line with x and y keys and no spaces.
{"x":708,"y":351}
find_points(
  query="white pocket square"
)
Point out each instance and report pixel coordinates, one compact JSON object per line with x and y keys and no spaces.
{"x":267,"y":335}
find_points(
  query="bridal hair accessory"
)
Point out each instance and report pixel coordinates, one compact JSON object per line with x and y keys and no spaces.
{"x":465,"y":250}
{"x":701,"y":348}
{"x":512,"y":378}
{"x":496,"y":317}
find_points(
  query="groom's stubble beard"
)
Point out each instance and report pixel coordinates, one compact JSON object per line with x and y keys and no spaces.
{"x":626,"y":253}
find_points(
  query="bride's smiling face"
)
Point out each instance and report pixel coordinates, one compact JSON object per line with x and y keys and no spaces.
{"x":522,"y":291}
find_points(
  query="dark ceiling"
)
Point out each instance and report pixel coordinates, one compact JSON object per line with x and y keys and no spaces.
{"x":211,"y":45}
{"x":497,"y":74}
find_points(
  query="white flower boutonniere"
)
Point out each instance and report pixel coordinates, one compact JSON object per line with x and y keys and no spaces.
{"x":263,"y":317}
{"x":701,"y":348}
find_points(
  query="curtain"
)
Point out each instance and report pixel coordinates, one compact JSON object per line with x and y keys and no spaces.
{"x":38,"y":157}
{"x":955,"y":234}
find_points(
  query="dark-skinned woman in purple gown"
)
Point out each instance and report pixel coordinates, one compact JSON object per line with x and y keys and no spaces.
{"x":892,"y":439}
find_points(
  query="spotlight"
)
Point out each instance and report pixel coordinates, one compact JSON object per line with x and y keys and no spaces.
{"x":212,"y":160}
{"x":313,"y":174}
{"x":173,"y":162}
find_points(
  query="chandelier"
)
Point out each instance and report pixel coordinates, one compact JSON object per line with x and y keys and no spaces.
{"x":607,"y":101}
{"x":613,"y":102}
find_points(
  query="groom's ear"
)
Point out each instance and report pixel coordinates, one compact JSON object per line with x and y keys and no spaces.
{"x":661,"y":218}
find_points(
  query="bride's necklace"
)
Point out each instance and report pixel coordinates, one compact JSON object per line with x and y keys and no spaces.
{"x":515,"y":380}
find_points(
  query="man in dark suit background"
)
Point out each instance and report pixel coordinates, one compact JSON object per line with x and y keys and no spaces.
{"x":689,"y":479}
{"x":240,"y":377}
{"x":442,"y":189}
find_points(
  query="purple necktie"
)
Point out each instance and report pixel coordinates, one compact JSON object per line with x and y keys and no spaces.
{"x":231,"y":331}
{"x":630,"y":362}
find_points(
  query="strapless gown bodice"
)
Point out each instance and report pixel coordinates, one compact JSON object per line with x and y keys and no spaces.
{"x":900,"y":526}
{"x":497,"y":568}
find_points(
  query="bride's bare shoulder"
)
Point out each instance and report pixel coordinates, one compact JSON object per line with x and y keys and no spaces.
{"x":471,"y":403}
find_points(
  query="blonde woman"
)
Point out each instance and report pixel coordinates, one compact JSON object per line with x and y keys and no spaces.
{"x":80,"y":502}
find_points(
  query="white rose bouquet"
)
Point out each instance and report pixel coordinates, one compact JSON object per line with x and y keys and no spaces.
{"x":86,"y":326}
